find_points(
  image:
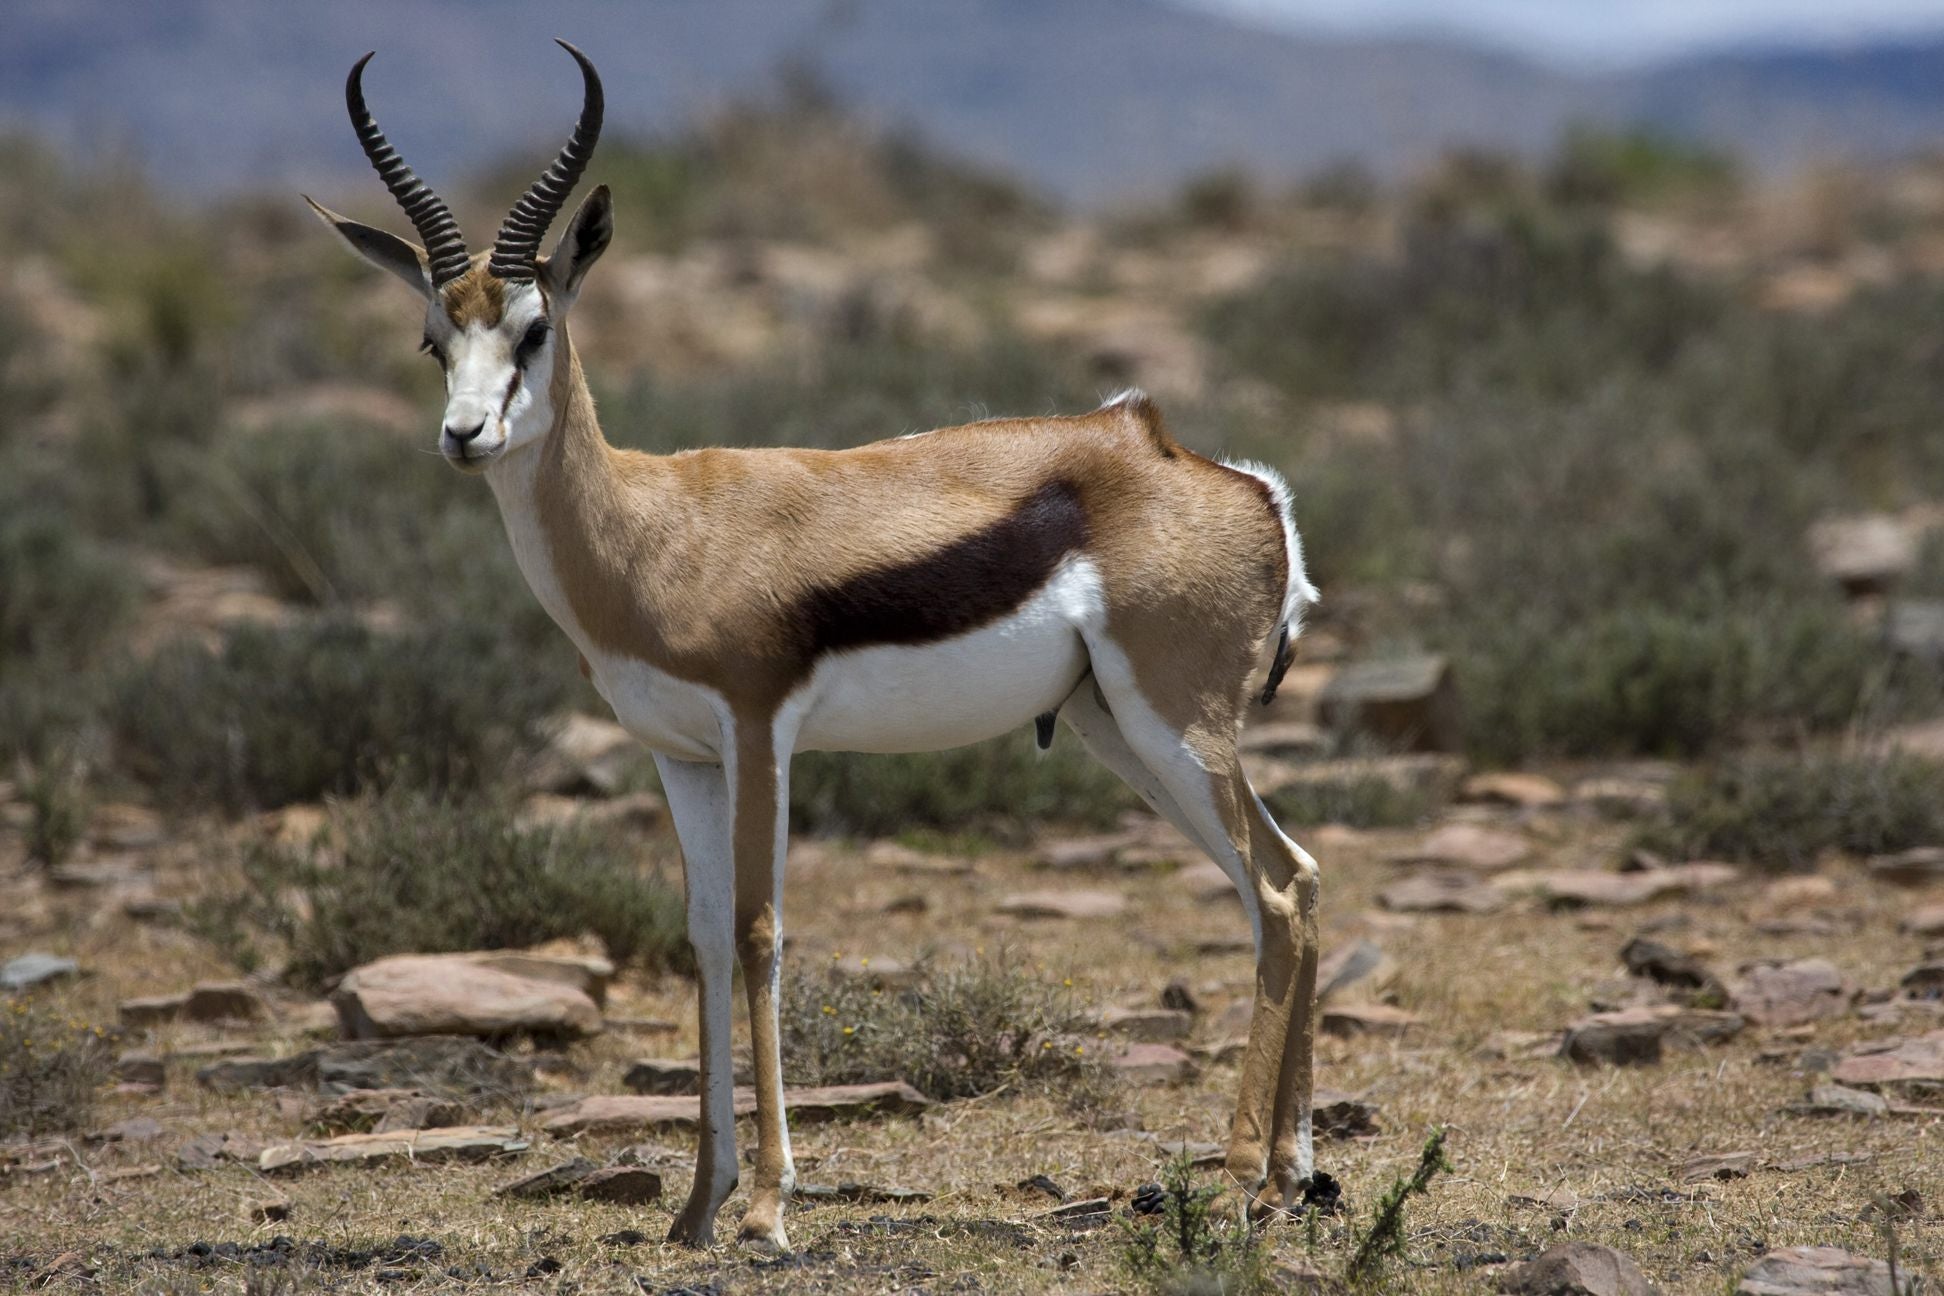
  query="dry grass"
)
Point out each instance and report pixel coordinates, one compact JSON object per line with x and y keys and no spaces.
{"x":1519,"y":1128}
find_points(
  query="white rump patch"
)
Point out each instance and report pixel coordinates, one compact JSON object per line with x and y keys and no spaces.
{"x":1299,"y":593}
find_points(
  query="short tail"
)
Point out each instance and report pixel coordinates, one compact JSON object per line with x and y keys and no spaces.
{"x":1298,"y":593}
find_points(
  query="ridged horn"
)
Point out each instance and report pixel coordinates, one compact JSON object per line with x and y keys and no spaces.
{"x":445,"y":248}
{"x":518,"y":243}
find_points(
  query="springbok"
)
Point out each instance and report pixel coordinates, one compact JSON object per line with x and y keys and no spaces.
{"x":736,"y":606}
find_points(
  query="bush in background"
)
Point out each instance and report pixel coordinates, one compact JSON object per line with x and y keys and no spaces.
{"x":407,"y":872}
{"x":328,"y":707}
{"x":1782,"y":810}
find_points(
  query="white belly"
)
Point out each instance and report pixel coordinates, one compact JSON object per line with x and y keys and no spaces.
{"x":669,"y":715}
{"x":957,"y":691}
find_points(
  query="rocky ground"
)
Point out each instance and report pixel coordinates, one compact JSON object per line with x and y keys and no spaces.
{"x":1694,"y":1065}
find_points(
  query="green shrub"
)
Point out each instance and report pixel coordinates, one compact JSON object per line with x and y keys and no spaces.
{"x":50,"y":1067}
{"x":1782,"y":810}
{"x":328,"y":708}
{"x":1005,"y":788}
{"x":406,"y":872}
{"x":1361,"y":798}
{"x":63,"y":594}
{"x":961,"y":1030}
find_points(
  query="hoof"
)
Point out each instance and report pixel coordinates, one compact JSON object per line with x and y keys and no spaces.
{"x":695,"y":1234}
{"x":764,"y":1240}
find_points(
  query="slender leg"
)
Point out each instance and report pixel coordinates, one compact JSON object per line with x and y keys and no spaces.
{"x":700,"y":803}
{"x":1206,"y":782}
{"x":761,"y":839}
{"x":1292,"y":1158}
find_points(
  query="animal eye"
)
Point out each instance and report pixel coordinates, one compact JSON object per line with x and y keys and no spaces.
{"x":536,"y":337}
{"x":431,"y":348}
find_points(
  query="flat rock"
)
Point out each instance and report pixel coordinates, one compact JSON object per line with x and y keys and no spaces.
{"x":1469,"y":846}
{"x":1354,"y":970}
{"x":1914,"y":1060}
{"x":1864,"y":553}
{"x":135,"y":1129}
{"x":551,"y":1182}
{"x":610,"y":1113}
{"x":1064,"y":904}
{"x":1791,"y":994}
{"x":861,"y":1193}
{"x":1524,"y":791}
{"x":586,"y":754}
{"x":440,"y":1064}
{"x":36,"y":969}
{"x":1621,"y":797}
{"x":451,"y":1143}
{"x":665,"y":1077}
{"x":1441,"y":893}
{"x":440,"y":994}
{"x":1620,"y":890}
{"x":1926,"y":921}
{"x":896,"y":858}
{"x":1097,"y":851}
{"x":1412,"y":702}
{"x":1666,"y":965}
{"x":1925,"y":981}
{"x":232,"y":1075}
{"x":1576,"y":1269}
{"x":1919,"y":867}
{"x":1717,"y":1165}
{"x":1372,"y":1019}
{"x":1148,"y":1025}
{"x":1151,"y":1064}
{"x":1297,"y":738}
{"x":1205,"y":881}
{"x":1815,"y":1271}
{"x":206,"y":1151}
{"x":384,"y":1111}
{"x":138,"y":1066}
{"x":1341,"y":1115}
{"x":621,"y":1185}
{"x":1841,"y":1100}
{"x":586,"y":973}
{"x":151,"y":1010}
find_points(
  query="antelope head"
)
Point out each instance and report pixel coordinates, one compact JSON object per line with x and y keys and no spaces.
{"x":494,"y":322}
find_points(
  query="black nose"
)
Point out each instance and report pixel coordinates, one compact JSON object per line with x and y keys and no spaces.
{"x":463,"y":435}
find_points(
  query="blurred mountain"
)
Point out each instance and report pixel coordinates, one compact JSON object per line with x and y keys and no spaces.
{"x":1090,"y":99}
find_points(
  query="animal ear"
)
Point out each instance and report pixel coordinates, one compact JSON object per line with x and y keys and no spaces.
{"x":386,"y":251}
{"x":587,"y":236}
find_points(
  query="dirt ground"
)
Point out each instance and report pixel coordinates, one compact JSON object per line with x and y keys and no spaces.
{"x":1544,"y":1149}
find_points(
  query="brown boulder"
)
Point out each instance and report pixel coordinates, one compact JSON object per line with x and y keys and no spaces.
{"x":1576,"y":1269}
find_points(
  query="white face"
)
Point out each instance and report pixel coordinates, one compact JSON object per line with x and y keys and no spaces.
{"x":497,"y":379}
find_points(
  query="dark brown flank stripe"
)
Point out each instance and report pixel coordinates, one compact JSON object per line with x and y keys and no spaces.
{"x":960,"y":587}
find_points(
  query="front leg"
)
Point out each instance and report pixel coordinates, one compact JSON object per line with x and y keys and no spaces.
{"x":699,"y":801}
{"x":761,"y":838}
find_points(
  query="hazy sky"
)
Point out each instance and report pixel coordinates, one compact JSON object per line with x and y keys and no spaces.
{"x":1611,"y":31}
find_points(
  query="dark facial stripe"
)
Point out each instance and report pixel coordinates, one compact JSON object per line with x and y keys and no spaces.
{"x":959,"y":588}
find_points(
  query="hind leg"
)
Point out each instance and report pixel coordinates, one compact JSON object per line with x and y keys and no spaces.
{"x":1292,"y":1159}
{"x":1189,"y":749}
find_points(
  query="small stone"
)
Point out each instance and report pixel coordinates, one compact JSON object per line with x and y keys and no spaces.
{"x":1412,"y":702}
{"x":1925,"y":981}
{"x":1667,"y":965}
{"x":1926,"y":922}
{"x":268,"y":1209}
{"x":1791,"y":994}
{"x":1151,"y":1064}
{"x":907,"y":904}
{"x":551,"y":1182}
{"x":1630,"y":1037}
{"x":153,"y":1010}
{"x":30,"y":970}
{"x":1148,"y":1025}
{"x":1178,"y":997}
{"x":1576,"y":1269}
{"x":220,"y":1001}
{"x":1470,"y":846}
{"x":1095,"y":852}
{"x":206,"y":1151}
{"x":1794,"y":894}
{"x":1621,"y":797}
{"x":1919,"y":867}
{"x":1358,"y":969}
{"x":1371,"y":1019}
{"x":1525,"y":791}
{"x":887,"y":856}
{"x":621,"y":1185}
{"x":1594,"y":887}
{"x":1841,"y":1100}
{"x":1815,"y":1271}
{"x":1064,"y":904}
{"x":1339,"y":1115}
{"x":1720,"y":1165}
{"x":1866,"y":553}
{"x":1441,"y":893}
{"x":384,"y":1111}
{"x":665,"y":1077}
{"x":138,"y":1066}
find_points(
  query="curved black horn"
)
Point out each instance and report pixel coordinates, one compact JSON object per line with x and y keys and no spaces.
{"x":444,"y":247}
{"x":519,"y":236}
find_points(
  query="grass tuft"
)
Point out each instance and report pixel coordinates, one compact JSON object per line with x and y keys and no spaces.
{"x":1187,"y":1248}
{"x":51,"y":1064}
